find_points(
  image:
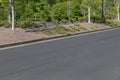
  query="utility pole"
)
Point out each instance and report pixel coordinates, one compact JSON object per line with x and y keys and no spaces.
{"x":102,"y":16}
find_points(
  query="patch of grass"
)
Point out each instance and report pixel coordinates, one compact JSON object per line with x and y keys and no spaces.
{"x":76,"y":24}
{"x":48,"y":32}
{"x":75,"y":28}
{"x":60,"y":30}
{"x":94,"y":28}
{"x":43,"y":38}
{"x":83,"y":28}
{"x":71,"y":30}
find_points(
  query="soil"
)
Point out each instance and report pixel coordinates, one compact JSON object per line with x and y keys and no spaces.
{"x":8,"y":36}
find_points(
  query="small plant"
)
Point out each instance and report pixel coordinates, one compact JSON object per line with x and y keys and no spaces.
{"x":82,"y":19}
{"x":55,"y":22}
{"x":76,"y":24}
{"x":24,"y":24}
{"x":43,"y":37}
{"x":6,"y":24}
{"x":94,"y":28}
{"x":47,"y":32}
{"x":60,"y":30}
{"x":113,"y":23}
{"x":75,"y":28}
{"x":64,"y":21}
{"x":1,"y":23}
{"x":29,"y":24}
{"x":71,"y":30}
{"x":73,"y":19}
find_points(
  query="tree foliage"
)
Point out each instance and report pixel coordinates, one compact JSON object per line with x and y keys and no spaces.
{"x":51,"y":10}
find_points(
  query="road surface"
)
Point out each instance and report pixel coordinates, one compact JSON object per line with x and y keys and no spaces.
{"x":89,"y":57}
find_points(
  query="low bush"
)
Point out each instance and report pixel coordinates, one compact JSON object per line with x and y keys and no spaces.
{"x":82,"y":19}
{"x":5,"y":24}
{"x":1,"y":23}
{"x":29,"y":24}
{"x":63,"y":21}
{"x":113,"y":23}
{"x":96,"y":19}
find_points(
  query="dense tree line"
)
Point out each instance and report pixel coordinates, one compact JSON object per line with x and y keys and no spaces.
{"x":60,"y":10}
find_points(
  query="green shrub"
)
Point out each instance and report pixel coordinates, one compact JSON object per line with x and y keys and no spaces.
{"x":29,"y":24}
{"x":64,"y":21}
{"x":6,"y":24}
{"x":96,"y":19}
{"x":73,"y":19}
{"x":113,"y":23}
{"x":110,"y":16}
{"x":1,"y":23}
{"x":55,"y":22}
{"x":25,"y":24}
{"x":82,"y":19}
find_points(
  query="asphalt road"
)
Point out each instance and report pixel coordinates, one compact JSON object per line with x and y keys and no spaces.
{"x":89,"y":57}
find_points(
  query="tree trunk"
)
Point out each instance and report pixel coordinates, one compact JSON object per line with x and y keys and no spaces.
{"x":9,"y":12}
{"x":102,"y":16}
{"x":118,"y":12}
{"x":69,"y":12}
{"x":12,"y":13}
{"x":9,"y":16}
{"x":89,"y":19}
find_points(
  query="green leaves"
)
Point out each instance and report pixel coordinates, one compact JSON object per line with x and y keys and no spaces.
{"x":58,"y":10}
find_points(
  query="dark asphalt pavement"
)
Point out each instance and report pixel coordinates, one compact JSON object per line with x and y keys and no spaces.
{"x":89,"y":57}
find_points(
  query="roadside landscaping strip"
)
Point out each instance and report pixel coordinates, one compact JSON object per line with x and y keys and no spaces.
{"x":50,"y":38}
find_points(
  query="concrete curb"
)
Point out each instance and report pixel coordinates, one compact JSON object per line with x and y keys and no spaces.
{"x":50,"y":38}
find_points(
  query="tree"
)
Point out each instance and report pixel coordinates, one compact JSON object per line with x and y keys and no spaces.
{"x":88,"y":4}
{"x":11,"y":2}
{"x":117,"y":3}
{"x":102,"y":14}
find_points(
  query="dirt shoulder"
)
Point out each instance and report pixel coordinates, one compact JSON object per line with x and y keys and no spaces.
{"x":7,"y":36}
